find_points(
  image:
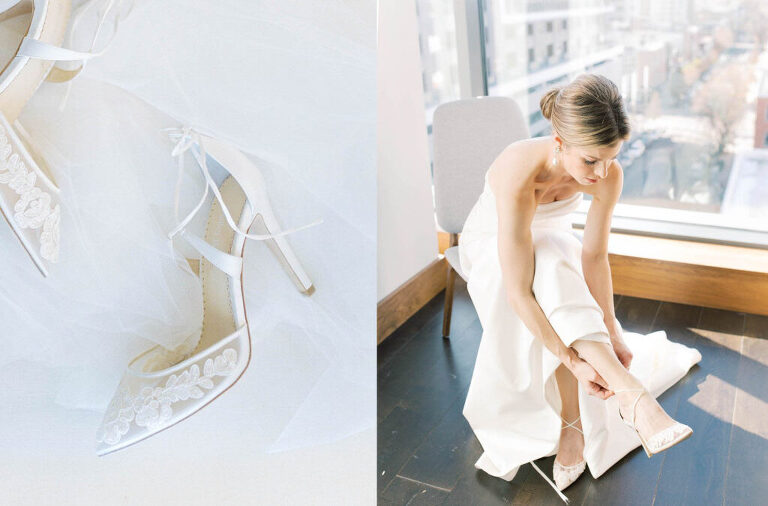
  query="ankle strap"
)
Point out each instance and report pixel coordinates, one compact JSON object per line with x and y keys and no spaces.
{"x":33,"y":48}
{"x":226,"y":262}
{"x":233,"y":161}
{"x":570,"y":424}
{"x":241,"y":169}
{"x":634,"y":404}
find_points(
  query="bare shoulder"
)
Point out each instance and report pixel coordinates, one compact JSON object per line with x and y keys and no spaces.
{"x":515,"y":168}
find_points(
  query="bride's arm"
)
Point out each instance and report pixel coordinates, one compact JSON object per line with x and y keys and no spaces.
{"x":594,"y":254}
{"x":515,"y":206}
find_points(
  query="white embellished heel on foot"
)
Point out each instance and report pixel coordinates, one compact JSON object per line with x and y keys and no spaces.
{"x":663,"y":439}
{"x":162,"y":387}
{"x":563,"y":475}
{"x":566,"y":475}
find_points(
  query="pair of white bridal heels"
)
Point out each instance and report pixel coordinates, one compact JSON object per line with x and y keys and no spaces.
{"x":31,"y":34}
{"x":564,"y":476}
{"x":162,"y":387}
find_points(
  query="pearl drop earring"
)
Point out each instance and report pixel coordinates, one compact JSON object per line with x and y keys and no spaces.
{"x":554,"y":157}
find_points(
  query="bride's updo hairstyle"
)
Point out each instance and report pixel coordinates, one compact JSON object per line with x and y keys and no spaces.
{"x":587,"y":112}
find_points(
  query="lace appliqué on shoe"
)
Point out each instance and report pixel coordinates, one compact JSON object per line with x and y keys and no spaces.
{"x":666,"y":436}
{"x":151,"y":407}
{"x":565,"y":475}
{"x":33,"y":209}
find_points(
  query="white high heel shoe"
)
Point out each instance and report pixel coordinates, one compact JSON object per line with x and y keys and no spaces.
{"x":565,"y":475}
{"x":28,"y":193}
{"x":663,"y":439}
{"x":162,"y":387}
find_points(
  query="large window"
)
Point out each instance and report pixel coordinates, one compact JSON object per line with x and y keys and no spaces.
{"x":439,"y":59}
{"x":694,"y":77}
{"x":691,"y":73}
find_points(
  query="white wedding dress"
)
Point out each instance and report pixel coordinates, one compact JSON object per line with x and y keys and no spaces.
{"x":513,"y":404}
{"x":293,"y":86}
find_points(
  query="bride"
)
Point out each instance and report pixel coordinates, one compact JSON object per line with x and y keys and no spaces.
{"x":545,"y":302}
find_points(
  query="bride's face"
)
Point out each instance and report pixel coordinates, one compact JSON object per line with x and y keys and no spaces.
{"x":590,"y":164}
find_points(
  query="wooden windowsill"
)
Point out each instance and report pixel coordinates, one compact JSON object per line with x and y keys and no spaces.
{"x":663,"y":249}
{"x":704,"y":274}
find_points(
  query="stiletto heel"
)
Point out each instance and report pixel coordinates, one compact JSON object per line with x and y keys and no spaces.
{"x":564,"y":476}
{"x":265,"y":222}
{"x":162,"y":387}
{"x":662,"y":440}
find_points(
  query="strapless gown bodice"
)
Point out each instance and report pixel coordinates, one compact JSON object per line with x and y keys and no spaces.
{"x":483,"y":218}
{"x":482,"y":221}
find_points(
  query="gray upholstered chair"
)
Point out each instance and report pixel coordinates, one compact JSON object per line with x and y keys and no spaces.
{"x":467,"y":137}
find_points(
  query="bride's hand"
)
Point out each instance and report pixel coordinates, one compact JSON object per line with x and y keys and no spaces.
{"x":616,"y":334}
{"x":621,"y":349}
{"x":593,"y":383}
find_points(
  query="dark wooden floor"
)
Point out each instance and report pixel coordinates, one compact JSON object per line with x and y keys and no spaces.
{"x":427,"y":451}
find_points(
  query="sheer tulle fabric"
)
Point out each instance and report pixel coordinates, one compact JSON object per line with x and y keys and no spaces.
{"x":293,"y":86}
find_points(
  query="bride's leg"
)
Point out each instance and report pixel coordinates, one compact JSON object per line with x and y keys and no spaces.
{"x":651,"y":417}
{"x":571,"y":441}
{"x":606,"y":363}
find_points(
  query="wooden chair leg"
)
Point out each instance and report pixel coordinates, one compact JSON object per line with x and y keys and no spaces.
{"x":453,"y":240}
{"x":448,"y":306}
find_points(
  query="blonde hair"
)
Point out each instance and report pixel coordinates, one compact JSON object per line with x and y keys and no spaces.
{"x":587,"y":112}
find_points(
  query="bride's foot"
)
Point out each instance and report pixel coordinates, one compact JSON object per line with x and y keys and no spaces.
{"x":657,"y":430}
{"x":650,"y":417}
{"x":571,"y":448}
{"x":569,"y":461}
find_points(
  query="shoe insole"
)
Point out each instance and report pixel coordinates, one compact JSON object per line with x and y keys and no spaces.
{"x":218,"y":315}
{"x":14,"y":25}
{"x":14,"y":96}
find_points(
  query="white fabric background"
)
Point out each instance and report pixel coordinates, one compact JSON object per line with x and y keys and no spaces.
{"x":293,"y":85}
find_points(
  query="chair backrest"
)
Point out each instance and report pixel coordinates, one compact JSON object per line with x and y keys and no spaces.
{"x":467,"y":136}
